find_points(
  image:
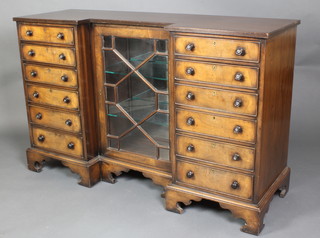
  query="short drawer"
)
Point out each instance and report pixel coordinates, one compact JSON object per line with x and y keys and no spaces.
{"x":48,"y":54}
{"x":216,"y":99}
{"x":58,"y":142}
{"x":226,"y":154}
{"x":218,"y":48}
{"x":236,"y":184}
{"x":51,"y":75}
{"x":219,"y":74}
{"x":63,"y":35}
{"x":55,"y":119}
{"x":217,"y":125}
{"x":52,"y":97}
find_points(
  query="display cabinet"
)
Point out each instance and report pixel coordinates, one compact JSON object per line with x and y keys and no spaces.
{"x":199,"y":104}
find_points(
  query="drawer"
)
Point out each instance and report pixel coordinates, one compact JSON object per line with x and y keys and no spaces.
{"x":220,"y":100}
{"x":59,"y":142}
{"x":48,"y":54}
{"x":55,"y":119}
{"x":217,"y":125}
{"x":63,"y":35}
{"x":226,"y":154}
{"x":220,"y":74}
{"x":215,"y":179}
{"x":218,"y":48}
{"x":52,"y":97}
{"x":51,"y":75}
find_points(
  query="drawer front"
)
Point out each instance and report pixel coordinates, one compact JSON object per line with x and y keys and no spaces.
{"x":220,"y":100}
{"x":59,"y":142}
{"x":219,"y":180}
{"x":55,"y":119}
{"x":218,"y":48}
{"x":218,"y":126}
{"x":216,"y":152}
{"x":48,"y":54}
{"x":51,"y":75}
{"x":46,"y":34}
{"x":53,"y":97}
{"x":220,"y":74}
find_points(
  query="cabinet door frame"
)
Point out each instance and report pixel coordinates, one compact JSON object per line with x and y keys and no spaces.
{"x":99,"y":31}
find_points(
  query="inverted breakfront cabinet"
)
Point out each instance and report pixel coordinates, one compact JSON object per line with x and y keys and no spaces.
{"x":199,"y":104}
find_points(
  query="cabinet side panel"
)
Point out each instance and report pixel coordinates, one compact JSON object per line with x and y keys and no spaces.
{"x":86,"y":88}
{"x":275,"y":114}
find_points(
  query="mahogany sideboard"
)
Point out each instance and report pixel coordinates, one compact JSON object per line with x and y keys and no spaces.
{"x":199,"y":104}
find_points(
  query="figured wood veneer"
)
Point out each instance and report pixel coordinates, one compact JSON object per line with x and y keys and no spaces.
{"x":230,"y":87}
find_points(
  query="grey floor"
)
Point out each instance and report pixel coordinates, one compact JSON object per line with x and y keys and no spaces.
{"x":51,"y":204}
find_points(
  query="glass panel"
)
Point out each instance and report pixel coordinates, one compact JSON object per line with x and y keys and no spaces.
{"x":134,"y":50}
{"x":156,"y":72}
{"x":113,"y":143}
{"x":118,"y":122}
{"x":136,"y":98}
{"x":137,"y":142}
{"x":107,"y":41}
{"x":164,"y":154}
{"x":162,"y":46}
{"x":136,"y":93}
{"x":163,"y":100}
{"x":157,"y":127}
{"x":115,"y":68}
{"x":110,"y":94}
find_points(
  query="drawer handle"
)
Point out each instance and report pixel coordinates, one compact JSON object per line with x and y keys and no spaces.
{"x":60,"y":36}
{"x":39,"y":116}
{"x":36,"y":94}
{"x":64,"y":78}
{"x":67,"y":100}
{"x":190,"y":47}
{"x":237,"y":130}
{"x":41,"y":138}
{"x":31,"y":53}
{"x":239,"y":77}
{"x":71,"y":146}
{"x":235,"y":185}
{"x":68,"y":122}
{"x":29,"y":33}
{"x":33,"y":73}
{"x":240,"y":51}
{"x":190,"y":121}
{"x":190,"y":174}
{"x":190,"y":96}
{"x":190,"y":71}
{"x":236,"y":157}
{"x":190,"y":148}
{"x":237,"y":103}
{"x":62,"y":57}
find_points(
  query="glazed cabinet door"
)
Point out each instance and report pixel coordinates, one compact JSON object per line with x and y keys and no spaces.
{"x":132,"y":81}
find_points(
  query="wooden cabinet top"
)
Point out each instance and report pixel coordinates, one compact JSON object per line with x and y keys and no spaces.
{"x":220,"y":25}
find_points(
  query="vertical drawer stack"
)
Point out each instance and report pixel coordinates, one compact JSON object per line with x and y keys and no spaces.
{"x":216,"y":107}
{"x":51,"y":88}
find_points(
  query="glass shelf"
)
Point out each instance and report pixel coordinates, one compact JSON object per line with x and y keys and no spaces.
{"x":155,"y":68}
{"x":141,"y":105}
